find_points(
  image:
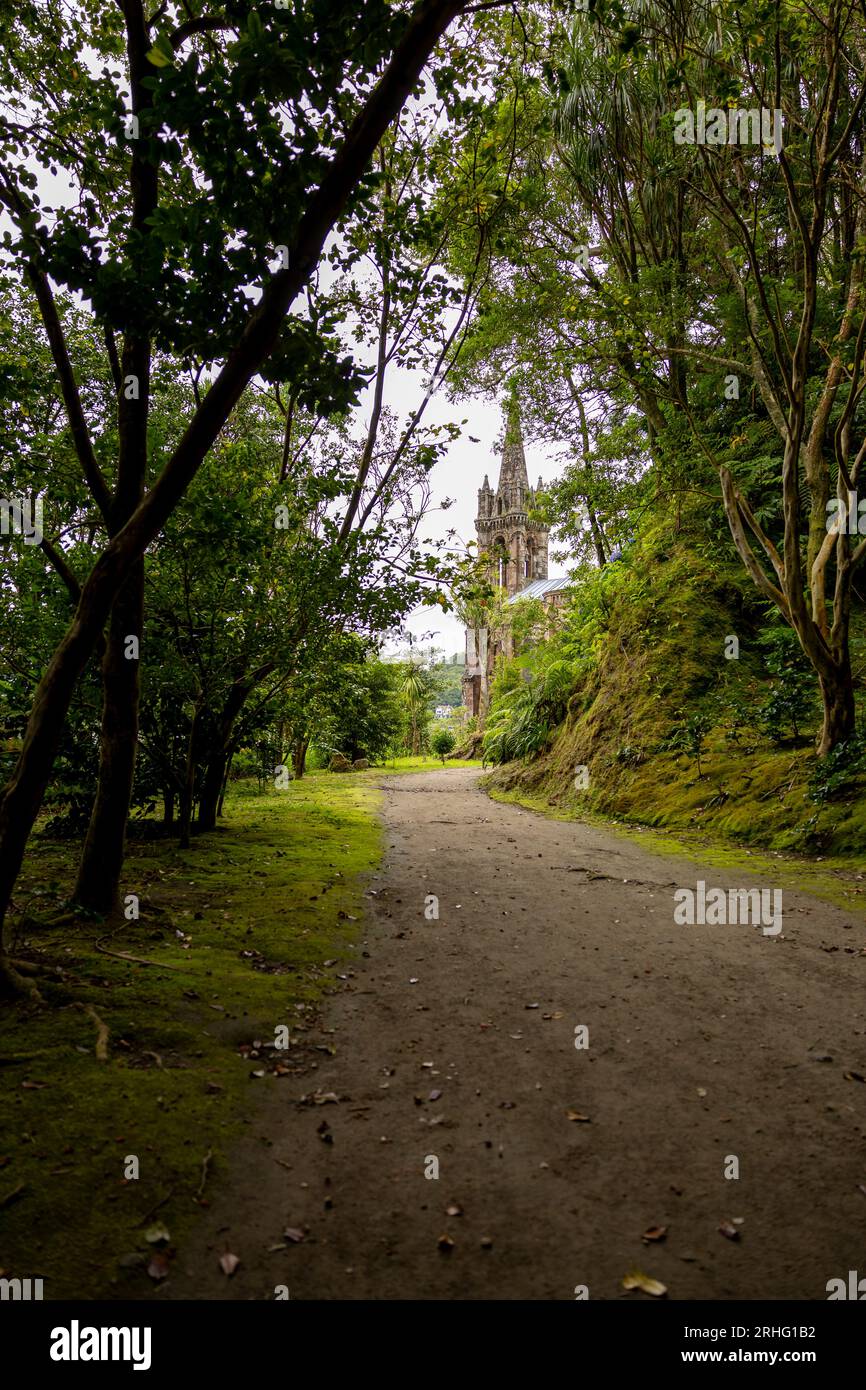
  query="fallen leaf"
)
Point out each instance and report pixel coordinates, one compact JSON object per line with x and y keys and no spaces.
{"x":853,"y":1076}
{"x":636,"y":1279}
{"x":229,"y":1263}
{"x":294,"y":1234}
{"x":158,"y":1267}
{"x":530,"y":1006}
{"x":577,"y":1117}
{"x":728,"y":1229}
{"x":157,"y":1235}
{"x":445,"y":1244}
{"x":486,"y":1243}
{"x":655,"y":1233}
{"x":701,"y":1091}
{"x":454,"y":1209}
{"x":434,"y":1095}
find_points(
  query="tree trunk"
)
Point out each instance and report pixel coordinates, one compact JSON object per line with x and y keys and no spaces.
{"x":837,"y":696}
{"x":99,"y":870}
{"x":188,"y":791}
{"x":221,"y":801}
{"x":299,"y":758}
{"x":98,"y":885}
{"x":211,"y":789}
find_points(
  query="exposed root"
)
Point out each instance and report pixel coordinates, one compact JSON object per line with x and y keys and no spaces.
{"x":205,"y":1164}
{"x":34,"y":967}
{"x":101,"y":1031}
{"x":135,"y":960}
{"x":14,"y":1059}
{"x":13,"y":984}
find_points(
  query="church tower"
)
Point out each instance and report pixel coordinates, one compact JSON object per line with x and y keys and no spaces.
{"x":516,"y":550}
{"x":516,"y":546}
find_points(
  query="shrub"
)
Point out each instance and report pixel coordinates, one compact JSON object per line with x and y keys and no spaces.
{"x":442,"y":743}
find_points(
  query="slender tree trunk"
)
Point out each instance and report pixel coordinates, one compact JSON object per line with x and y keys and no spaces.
{"x":98,"y":885}
{"x":188,"y":792}
{"x":299,"y":758}
{"x":99,"y":870}
{"x":224,"y":786}
{"x":221,"y":746}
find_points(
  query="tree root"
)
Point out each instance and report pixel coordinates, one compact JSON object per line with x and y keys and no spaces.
{"x":13,"y":983}
{"x":14,"y":1059}
{"x":101,"y":1031}
{"x":135,"y":960}
{"x":205,"y":1165}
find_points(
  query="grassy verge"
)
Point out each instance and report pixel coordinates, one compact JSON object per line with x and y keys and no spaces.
{"x":839,"y":880}
{"x":424,"y":764}
{"x":244,"y":931}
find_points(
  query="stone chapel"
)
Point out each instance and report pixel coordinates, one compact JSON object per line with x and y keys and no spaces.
{"x":516,"y":552}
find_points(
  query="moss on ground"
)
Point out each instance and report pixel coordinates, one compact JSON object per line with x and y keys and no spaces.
{"x":245,"y":930}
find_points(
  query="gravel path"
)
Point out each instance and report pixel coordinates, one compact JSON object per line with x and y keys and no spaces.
{"x":455,"y":1042}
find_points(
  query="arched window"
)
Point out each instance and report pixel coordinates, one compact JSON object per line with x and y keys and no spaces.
{"x":500,"y":562}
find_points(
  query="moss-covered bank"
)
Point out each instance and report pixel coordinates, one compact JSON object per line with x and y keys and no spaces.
{"x":692,"y":707}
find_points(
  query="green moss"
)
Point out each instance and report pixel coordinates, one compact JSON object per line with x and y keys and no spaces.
{"x":262,"y":903}
{"x":648,"y":638}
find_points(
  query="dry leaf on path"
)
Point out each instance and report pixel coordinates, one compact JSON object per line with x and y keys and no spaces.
{"x":655,"y":1233}
{"x":158,"y":1267}
{"x":577,"y":1117}
{"x":636,"y":1279}
{"x":229,"y":1263}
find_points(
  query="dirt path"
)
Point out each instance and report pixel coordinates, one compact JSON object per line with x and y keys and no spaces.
{"x":704,"y":1042}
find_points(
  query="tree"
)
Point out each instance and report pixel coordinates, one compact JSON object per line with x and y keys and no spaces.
{"x":663,"y":275}
{"x":241,"y":150}
{"x":442,"y":743}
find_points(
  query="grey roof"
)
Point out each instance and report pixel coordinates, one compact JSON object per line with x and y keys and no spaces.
{"x":540,"y":587}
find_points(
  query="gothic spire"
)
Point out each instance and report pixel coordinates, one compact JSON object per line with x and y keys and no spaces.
{"x":513,"y":468}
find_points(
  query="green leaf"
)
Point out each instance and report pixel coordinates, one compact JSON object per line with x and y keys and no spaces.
{"x":162,"y":53}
